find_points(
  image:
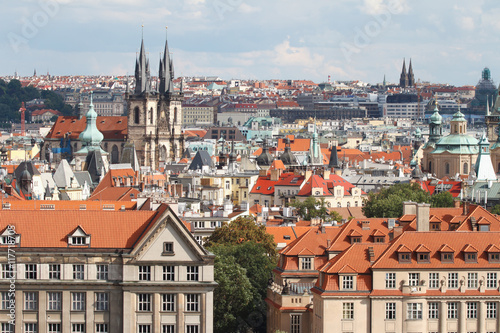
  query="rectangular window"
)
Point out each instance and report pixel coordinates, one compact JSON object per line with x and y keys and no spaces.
{"x":5,"y":300}
{"x":168,"y":329}
{"x":144,"y":273}
{"x":433,"y":280}
{"x":471,"y":310}
{"x":55,"y":271}
{"x":101,"y":301}
{"x":30,"y":328}
{"x":144,"y":302}
{"x":78,"y":328}
{"x":8,"y":271}
{"x":306,"y":263}
{"x":491,"y":280}
{"x":452,"y":280}
{"x":101,"y":328}
{"x":168,"y":302}
{"x":168,"y":248}
{"x":192,"y":302}
{"x":347,"y":282}
{"x":77,"y":301}
{"x":30,"y":271}
{"x":413,"y":279}
{"x":452,"y":310}
{"x":78,"y":272}
{"x":433,"y":310}
{"x":294,"y":323}
{"x":192,"y":328}
{"x":390,"y":311}
{"x":54,"y":328}
{"x":7,"y":328}
{"x":390,"y":280}
{"x":54,"y":301}
{"x":414,"y":311}
{"x":348,"y":310}
{"x":472,"y":280}
{"x":30,"y":301}
{"x":491,"y":310}
{"x":102,"y":272}
{"x":144,"y":329}
{"x":168,"y":273}
{"x":192,"y":273}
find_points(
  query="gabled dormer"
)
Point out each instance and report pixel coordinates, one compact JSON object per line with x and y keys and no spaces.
{"x":470,"y":254}
{"x":78,"y":237}
{"x":347,"y":278}
{"x":354,"y":236}
{"x":434,"y":223}
{"x":447,"y":254}
{"x":9,"y":237}
{"x":493,"y":253}
{"x":423,"y":254}
{"x":378,"y":236}
{"x":404,"y":254}
{"x":306,"y":260}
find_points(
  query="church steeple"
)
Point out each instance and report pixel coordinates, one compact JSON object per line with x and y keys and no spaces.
{"x":403,"y":79}
{"x":142,"y":71}
{"x":411,"y":78}
{"x":166,"y":72}
{"x":91,"y":137}
{"x":484,"y":167}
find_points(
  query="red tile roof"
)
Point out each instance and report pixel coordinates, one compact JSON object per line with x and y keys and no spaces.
{"x":113,"y":128}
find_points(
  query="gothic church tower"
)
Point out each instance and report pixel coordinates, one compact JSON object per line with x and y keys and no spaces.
{"x":155,"y":116}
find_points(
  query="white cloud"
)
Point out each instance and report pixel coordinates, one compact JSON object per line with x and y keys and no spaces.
{"x":247,"y":9}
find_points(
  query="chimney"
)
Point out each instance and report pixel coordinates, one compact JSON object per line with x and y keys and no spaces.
{"x":397,"y":231}
{"x":365,"y":225}
{"x":456,"y":204}
{"x":323,"y":229}
{"x":275,"y":174}
{"x":409,"y":208}
{"x":328,"y":243}
{"x":371,"y":254}
{"x":326,"y":174}
{"x":307,"y":175}
{"x":423,"y":212}
{"x":466,"y":208}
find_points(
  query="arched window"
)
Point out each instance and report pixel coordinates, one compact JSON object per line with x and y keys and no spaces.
{"x":430,"y":166}
{"x":175,"y":115}
{"x":136,"y":115}
{"x":447,"y":168}
{"x":114,"y":155}
{"x":151,"y":116}
{"x":466,"y":168}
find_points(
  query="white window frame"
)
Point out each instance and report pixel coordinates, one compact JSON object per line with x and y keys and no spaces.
{"x":414,"y":311}
{"x":8,"y":271}
{"x":54,"y":328}
{"x":101,"y":301}
{"x":413,"y":279}
{"x":144,"y":328}
{"x":54,"y":301}
{"x":433,"y":280}
{"x":168,"y":328}
{"x":453,"y":280}
{"x":347,"y":282}
{"x":78,"y":301}
{"x":78,"y":272}
{"x":193,"y":328}
{"x":348,"y":311}
{"x":168,"y":273}
{"x":390,"y":280}
{"x":433,"y":310}
{"x":78,"y":328}
{"x":168,"y":302}
{"x":390,"y":311}
{"x":144,"y":302}
{"x":192,"y":302}
{"x":193,"y":273}
{"x":101,"y":328}
{"x":472,"y":280}
{"x":30,"y":301}
{"x":102,"y":272}
{"x":306,"y":263}
{"x":144,"y":273}
{"x":30,"y":327}
{"x":55,"y":271}
{"x":491,"y":310}
{"x":491,"y":280}
{"x":7,"y":328}
{"x":452,"y":310}
{"x":471,"y":310}
{"x":295,"y":323}
{"x":31,"y":271}
{"x":5,"y":300}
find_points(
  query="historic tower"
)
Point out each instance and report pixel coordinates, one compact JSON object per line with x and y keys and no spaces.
{"x":154,"y":113}
{"x":406,"y":79}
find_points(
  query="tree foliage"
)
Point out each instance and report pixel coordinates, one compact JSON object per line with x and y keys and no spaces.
{"x":311,"y":208}
{"x":389,"y":201}
{"x":496,"y":209}
{"x":442,"y":199}
{"x":241,"y":230}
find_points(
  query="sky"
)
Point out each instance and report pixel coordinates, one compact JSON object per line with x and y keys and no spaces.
{"x":448,"y":41}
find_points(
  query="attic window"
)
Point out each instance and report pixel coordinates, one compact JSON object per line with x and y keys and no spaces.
{"x":168,"y":249}
{"x":494,"y":257}
{"x":78,"y":240}
{"x":258,"y":187}
{"x":270,"y":187}
{"x":447,"y":257}
{"x":470,"y":257}
{"x":287,"y":237}
{"x":10,"y":237}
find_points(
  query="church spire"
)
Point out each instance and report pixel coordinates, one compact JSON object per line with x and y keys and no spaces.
{"x":141,"y":70}
{"x":165,"y":73}
{"x":403,"y":79}
{"x":411,"y":78}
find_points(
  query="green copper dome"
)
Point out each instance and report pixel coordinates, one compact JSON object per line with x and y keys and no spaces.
{"x":436,"y":118}
{"x":91,"y":137}
{"x":457,"y":144}
{"x":458,"y":116}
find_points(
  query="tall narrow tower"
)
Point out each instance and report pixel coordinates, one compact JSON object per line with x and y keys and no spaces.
{"x":411,"y":77}
{"x":403,"y":79}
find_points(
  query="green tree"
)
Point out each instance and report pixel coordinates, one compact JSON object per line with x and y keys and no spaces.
{"x":389,"y":201}
{"x":496,"y":209}
{"x":311,"y":208}
{"x":442,"y":199}
{"x":334,"y":216}
{"x":243,"y":229}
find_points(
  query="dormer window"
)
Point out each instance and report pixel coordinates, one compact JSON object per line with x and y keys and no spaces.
{"x":423,"y":254}
{"x":447,"y":257}
{"x":78,"y":238}
{"x":435,"y":226}
{"x":494,"y":257}
{"x":10,"y":237}
{"x":470,"y":254}
{"x":493,"y":253}
{"x":404,"y":254}
{"x":447,"y":254}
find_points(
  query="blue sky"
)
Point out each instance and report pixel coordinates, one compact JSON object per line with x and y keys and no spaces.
{"x":448,"y":41}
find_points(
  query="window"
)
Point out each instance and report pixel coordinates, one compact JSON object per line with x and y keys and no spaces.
{"x":144,"y":302}
{"x":168,"y":329}
{"x":472,"y":280}
{"x":54,"y":328}
{"x":31,"y":271}
{"x":348,"y":310}
{"x":471,"y":257}
{"x":30,"y":301}
{"x":404,"y":257}
{"x":471,"y":310}
{"x":413,"y":279}
{"x":192,"y":273}
{"x":390,"y":280}
{"x":101,"y":301}
{"x":54,"y":301}
{"x":168,"y":302}
{"x":54,"y":271}
{"x":493,"y":257}
{"x":8,"y":271}
{"x":168,"y":273}
{"x":390,"y":311}
{"x":433,"y":280}
{"x":423,"y":257}
{"x":77,"y":328}
{"x":7,"y":328}
{"x":491,"y":280}
{"x":347,"y":282}
{"x":30,"y":328}
{"x":433,"y":310}
{"x":5,"y":300}
{"x":452,"y":280}
{"x":447,"y":167}
{"x":294,"y":323}
{"x":168,"y":248}
{"x":192,"y":328}
{"x":144,"y":273}
{"x":192,"y":302}
{"x":77,"y":301}
{"x":144,"y":329}
{"x":102,"y":272}
{"x":491,"y":310}
{"x":447,"y":257}
{"x":414,"y":311}
{"x":78,"y":240}
{"x":306,"y":263}
{"x":78,"y":272}
{"x":452,"y":310}
{"x":101,"y":328}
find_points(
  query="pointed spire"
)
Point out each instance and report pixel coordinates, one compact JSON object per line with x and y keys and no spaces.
{"x":142,"y":69}
{"x":411,"y":79}
{"x":487,"y":105}
{"x":166,"y":85}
